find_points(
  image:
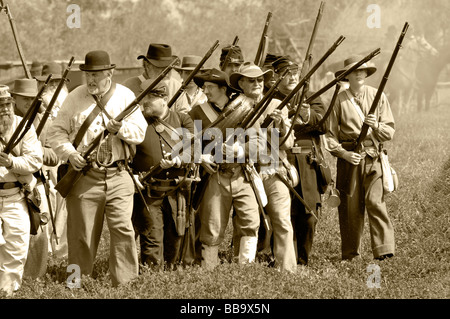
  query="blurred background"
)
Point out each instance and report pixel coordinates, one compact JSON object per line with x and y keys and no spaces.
{"x":125,"y":28}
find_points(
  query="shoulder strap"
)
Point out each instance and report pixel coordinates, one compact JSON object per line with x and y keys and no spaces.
{"x":97,"y":109}
{"x":167,"y":131}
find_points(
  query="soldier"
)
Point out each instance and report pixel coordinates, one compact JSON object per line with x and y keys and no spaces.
{"x":16,"y":169}
{"x":158,"y":57}
{"x":57,"y":246}
{"x":105,"y":190}
{"x":250,"y":79}
{"x":227,"y":186}
{"x":306,"y":148}
{"x":193,"y":93}
{"x":167,"y":192}
{"x":24,"y":92}
{"x":349,"y":114}
{"x":230,"y":62}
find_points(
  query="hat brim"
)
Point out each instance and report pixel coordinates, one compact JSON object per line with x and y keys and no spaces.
{"x":6,"y":100}
{"x":43,"y":78}
{"x":234,"y":78}
{"x":159,"y":63}
{"x":91,"y":68}
{"x":24,"y":94}
{"x":370,"y":70}
{"x":200,"y":81}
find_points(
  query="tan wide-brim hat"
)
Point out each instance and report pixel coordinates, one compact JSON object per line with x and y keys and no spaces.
{"x":25,"y":87}
{"x":351,"y":61}
{"x":189,"y":63}
{"x":250,"y":70}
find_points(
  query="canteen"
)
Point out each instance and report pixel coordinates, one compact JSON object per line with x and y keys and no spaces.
{"x":333,"y":199}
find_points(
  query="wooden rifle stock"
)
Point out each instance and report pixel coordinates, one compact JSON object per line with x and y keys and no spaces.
{"x":54,"y":97}
{"x":351,"y":185}
{"x":72,"y":176}
{"x":261,"y":52}
{"x":300,"y":84}
{"x":192,"y":74}
{"x":227,"y":57}
{"x":16,"y":38}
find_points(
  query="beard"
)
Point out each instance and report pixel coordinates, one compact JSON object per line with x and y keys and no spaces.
{"x":6,"y":120}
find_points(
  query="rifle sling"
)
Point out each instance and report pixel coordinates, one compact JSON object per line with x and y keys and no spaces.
{"x":97,"y":109}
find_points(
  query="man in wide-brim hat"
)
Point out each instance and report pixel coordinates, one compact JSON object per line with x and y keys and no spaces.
{"x":250,"y":80}
{"x":351,"y":61}
{"x":250,"y":72}
{"x":158,"y":57}
{"x":105,"y":189}
{"x":350,"y":112}
{"x":16,"y":168}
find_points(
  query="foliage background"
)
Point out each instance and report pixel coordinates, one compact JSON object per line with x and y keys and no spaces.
{"x":124,"y":28}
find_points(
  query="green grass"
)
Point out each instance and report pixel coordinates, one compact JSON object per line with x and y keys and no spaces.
{"x":419,"y":211}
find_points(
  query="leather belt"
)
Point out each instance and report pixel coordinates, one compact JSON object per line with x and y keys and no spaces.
{"x":228,"y":169}
{"x":9,"y":185}
{"x":300,"y":150}
{"x":115,"y":165}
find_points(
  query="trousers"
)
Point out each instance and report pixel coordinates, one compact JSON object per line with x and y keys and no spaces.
{"x":224,"y":191}
{"x":368,"y":196}
{"x":279,"y":210}
{"x":15,"y":223}
{"x":100,"y":195}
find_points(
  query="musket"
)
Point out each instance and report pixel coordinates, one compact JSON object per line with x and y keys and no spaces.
{"x":192,"y":74}
{"x":178,"y":147}
{"x":300,"y":84}
{"x":262,"y":48}
{"x":308,"y":57}
{"x":27,"y":120}
{"x":267,"y":99}
{"x":16,"y":37}
{"x":72,"y":176}
{"x":54,"y":97}
{"x":227,"y":57}
{"x":47,"y":196}
{"x":342,"y":76}
{"x":38,"y":133}
{"x":307,"y":129}
{"x":351,"y":185}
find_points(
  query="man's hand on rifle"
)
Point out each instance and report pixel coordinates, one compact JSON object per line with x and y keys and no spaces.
{"x":235,"y":150}
{"x":6,"y":160}
{"x":77,"y":161}
{"x":352,"y":157}
{"x":277,"y":117}
{"x":168,"y":162}
{"x":113,"y":126}
{"x":371,"y":121}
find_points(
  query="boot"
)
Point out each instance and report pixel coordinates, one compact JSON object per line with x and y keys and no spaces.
{"x":210,"y":257}
{"x":247,"y":249}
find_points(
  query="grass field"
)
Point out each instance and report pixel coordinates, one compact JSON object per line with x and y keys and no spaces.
{"x":420,"y":269}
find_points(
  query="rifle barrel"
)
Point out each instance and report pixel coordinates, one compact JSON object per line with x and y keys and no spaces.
{"x":192,"y":74}
{"x":54,"y":97}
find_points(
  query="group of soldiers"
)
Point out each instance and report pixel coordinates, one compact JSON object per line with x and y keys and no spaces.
{"x":268,"y":176}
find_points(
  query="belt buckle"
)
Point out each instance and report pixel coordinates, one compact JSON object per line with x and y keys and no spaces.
{"x":368,"y":143}
{"x":296,"y":150}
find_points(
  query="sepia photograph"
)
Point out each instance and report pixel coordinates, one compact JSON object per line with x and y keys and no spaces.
{"x":216,"y":158}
